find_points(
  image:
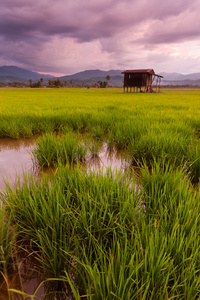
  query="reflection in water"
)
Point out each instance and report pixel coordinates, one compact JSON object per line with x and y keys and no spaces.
{"x":15,"y":144}
{"x":15,"y":158}
{"x":107,"y":158}
{"x":28,"y":279}
{"x":24,"y":277}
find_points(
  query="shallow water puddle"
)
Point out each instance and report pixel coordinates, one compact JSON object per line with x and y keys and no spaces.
{"x":15,"y":158}
{"x":107,"y":158}
{"x":27,"y":281}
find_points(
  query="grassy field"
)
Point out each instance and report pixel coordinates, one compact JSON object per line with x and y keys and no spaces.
{"x":121,"y":235}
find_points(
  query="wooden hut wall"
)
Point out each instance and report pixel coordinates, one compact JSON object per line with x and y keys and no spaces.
{"x":149,"y":80}
{"x":137,"y":79}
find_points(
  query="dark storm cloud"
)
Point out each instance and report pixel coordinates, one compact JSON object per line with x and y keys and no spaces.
{"x":84,"y":20}
{"x":26,"y":25}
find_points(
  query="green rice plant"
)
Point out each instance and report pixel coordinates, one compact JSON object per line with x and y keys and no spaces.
{"x":7,"y":239}
{"x":166,"y":190}
{"x":165,"y":269}
{"x":27,"y":129}
{"x":97,"y":132}
{"x":195,"y":124}
{"x":173,"y":208}
{"x":94,"y":147}
{"x":172,"y":212}
{"x":113,"y":275}
{"x":64,"y":128}
{"x":81,"y":152}
{"x":164,"y":145}
{"x":84,"y":110}
{"x":110,"y":140}
{"x":42,"y":221}
{"x":161,"y":185}
{"x":157,"y":269}
{"x":79,"y":121}
{"x":67,"y":218}
{"x":88,"y":229}
{"x":108,"y":235}
{"x":46,"y":151}
{"x":8,"y":250}
{"x":50,"y":149}
{"x":145,"y":265}
{"x":128,"y":131}
{"x":178,"y":127}
{"x":10,"y":128}
{"x":67,"y":147}
{"x":53,"y":250}
{"x":193,"y":162}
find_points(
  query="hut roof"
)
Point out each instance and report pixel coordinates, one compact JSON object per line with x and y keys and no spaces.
{"x":142,"y":71}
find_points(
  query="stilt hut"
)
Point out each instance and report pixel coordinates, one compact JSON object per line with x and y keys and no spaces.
{"x":135,"y":80}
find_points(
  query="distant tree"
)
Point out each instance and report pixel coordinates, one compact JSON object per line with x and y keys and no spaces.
{"x":58,"y":83}
{"x":102,"y":84}
{"x":50,"y":82}
{"x":55,"y":83}
{"x":65,"y":82}
{"x":15,"y":84}
{"x":41,"y":81}
{"x":71,"y":82}
{"x":36,"y":84}
{"x":107,"y":77}
{"x":30,"y":82}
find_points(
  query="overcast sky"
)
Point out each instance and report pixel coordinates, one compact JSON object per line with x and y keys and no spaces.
{"x":68,"y":36}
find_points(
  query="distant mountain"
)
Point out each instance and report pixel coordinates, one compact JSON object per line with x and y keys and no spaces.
{"x":88,"y":77}
{"x":192,"y":79}
{"x":186,"y":82}
{"x":91,"y":74}
{"x":6,"y":79}
{"x":115,"y":81}
{"x":20,"y":74}
{"x":178,"y":76}
{"x":88,"y":74}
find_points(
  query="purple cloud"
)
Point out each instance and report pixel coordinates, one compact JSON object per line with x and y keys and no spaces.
{"x":28,"y":29}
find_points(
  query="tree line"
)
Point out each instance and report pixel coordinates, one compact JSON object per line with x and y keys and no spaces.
{"x":56,"y":83}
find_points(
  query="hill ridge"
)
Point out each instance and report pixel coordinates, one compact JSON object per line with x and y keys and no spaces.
{"x":15,"y":73}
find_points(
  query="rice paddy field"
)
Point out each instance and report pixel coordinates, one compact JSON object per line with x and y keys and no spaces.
{"x":98,"y":234}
